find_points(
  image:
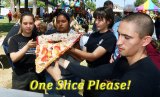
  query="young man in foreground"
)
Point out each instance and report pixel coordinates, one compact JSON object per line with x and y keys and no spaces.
{"x":135,"y":33}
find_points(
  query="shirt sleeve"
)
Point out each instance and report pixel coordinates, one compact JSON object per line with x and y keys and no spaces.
{"x":13,"y":45}
{"x":102,"y":72}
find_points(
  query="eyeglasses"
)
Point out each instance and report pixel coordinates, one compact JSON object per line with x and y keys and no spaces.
{"x":127,"y":13}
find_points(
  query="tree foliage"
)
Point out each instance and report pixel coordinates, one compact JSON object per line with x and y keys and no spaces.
{"x":91,"y":5}
{"x":156,"y":2}
{"x":139,"y":2}
{"x":6,"y":3}
{"x":40,"y":3}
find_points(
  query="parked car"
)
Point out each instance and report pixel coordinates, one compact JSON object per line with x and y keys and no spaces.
{"x":1,"y":17}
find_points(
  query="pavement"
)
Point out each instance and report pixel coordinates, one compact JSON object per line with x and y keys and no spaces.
{"x":5,"y":73}
{"x":5,"y":78}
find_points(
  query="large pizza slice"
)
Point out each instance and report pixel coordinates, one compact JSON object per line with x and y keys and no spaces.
{"x":51,"y":47}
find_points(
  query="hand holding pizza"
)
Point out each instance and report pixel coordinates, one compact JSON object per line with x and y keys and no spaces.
{"x":50,"y":47}
{"x":54,"y":71}
{"x":31,"y":44}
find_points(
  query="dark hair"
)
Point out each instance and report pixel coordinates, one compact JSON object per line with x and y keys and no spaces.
{"x":86,"y":27}
{"x":26,"y":14}
{"x":36,"y":17}
{"x":107,"y":13}
{"x":65,"y":15}
{"x":143,"y":23}
{"x":107,"y":3}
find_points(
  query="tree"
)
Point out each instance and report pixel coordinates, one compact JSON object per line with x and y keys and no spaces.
{"x":6,"y":3}
{"x":156,"y":2}
{"x":0,"y":7}
{"x":26,"y":4}
{"x":46,"y":5}
{"x":12,"y":6}
{"x":55,"y":2}
{"x":43,"y":3}
{"x":40,"y":3}
{"x":91,"y":5}
{"x":34,"y":7}
{"x":18,"y":6}
{"x":139,"y":2}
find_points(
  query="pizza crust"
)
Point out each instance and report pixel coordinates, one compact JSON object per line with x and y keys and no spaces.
{"x":48,"y":49}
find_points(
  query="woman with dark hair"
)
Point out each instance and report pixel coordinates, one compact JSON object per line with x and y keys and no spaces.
{"x":100,"y":46}
{"x":22,"y":54}
{"x":63,"y":26}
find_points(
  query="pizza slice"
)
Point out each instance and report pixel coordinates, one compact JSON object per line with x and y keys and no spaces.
{"x":48,"y":51}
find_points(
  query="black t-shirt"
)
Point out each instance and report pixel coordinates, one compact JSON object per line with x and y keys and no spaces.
{"x":16,"y":43}
{"x":14,"y":30}
{"x":144,"y":77}
{"x":107,"y":40}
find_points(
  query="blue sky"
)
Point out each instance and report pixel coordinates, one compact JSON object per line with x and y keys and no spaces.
{"x":99,"y":3}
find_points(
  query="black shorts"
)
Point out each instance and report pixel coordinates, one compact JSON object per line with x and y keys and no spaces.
{"x":22,"y":82}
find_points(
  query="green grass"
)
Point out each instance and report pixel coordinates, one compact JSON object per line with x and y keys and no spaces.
{"x":90,"y":26}
{"x":5,"y":26}
{"x":5,"y":20}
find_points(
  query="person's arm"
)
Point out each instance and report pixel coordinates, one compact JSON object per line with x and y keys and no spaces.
{"x":101,"y":72}
{"x":16,"y":56}
{"x":54,"y":71}
{"x":97,"y":53}
{"x":105,"y":45}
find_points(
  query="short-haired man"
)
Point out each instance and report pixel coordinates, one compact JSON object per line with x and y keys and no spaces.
{"x":108,"y":4}
{"x":135,"y":33}
{"x":128,"y":9}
